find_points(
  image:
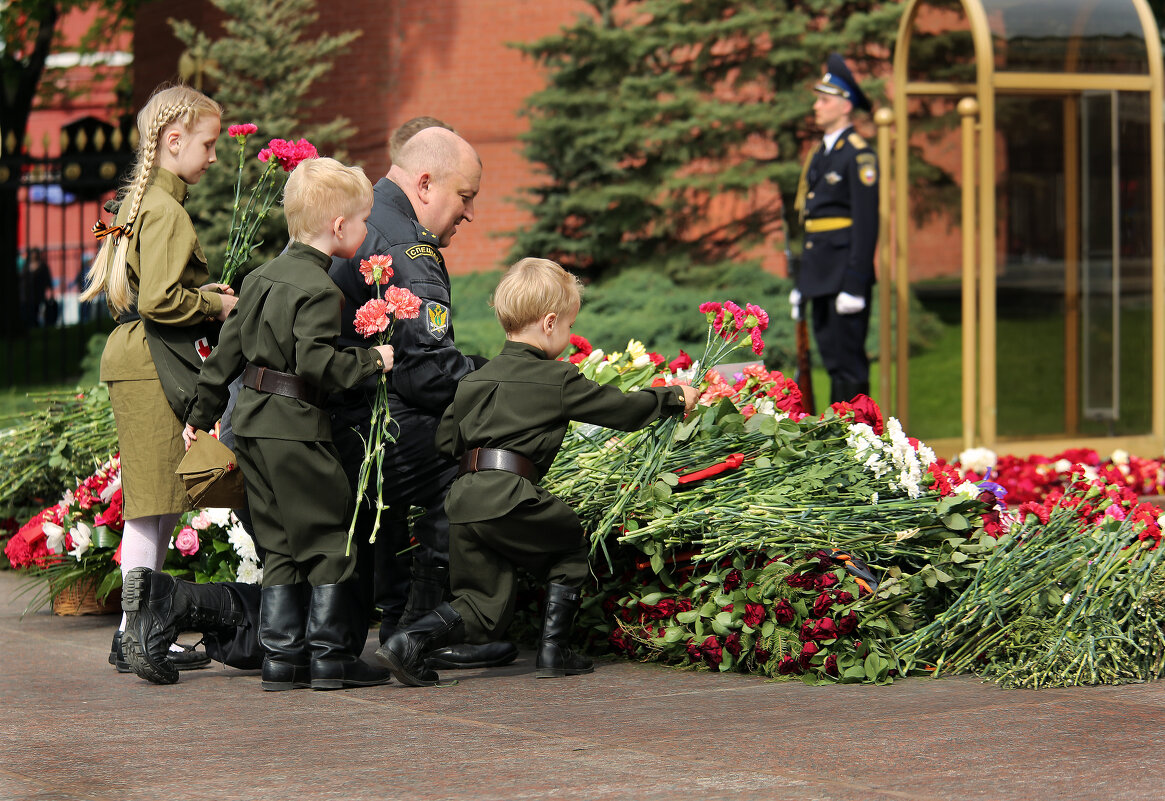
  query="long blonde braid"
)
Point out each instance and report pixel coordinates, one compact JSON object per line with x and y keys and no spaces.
{"x":110,"y":273}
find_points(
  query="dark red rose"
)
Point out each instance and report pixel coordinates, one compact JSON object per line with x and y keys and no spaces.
{"x":712,"y":651}
{"x":866,"y":411}
{"x":801,"y":580}
{"x":665,"y":608}
{"x":609,"y":605}
{"x":843,"y":597}
{"x":732,"y":643}
{"x":732,"y":580}
{"x":684,"y":604}
{"x":788,"y":666}
{"x":807,"y":652}
{"x":784,"y":613}
{"x":824,"y":581}
{"x":621,"y":643}
{"x":694,"y":653}
{"x":762,"y":654}
{"x":820,"y":629}
{"x":754,"y":615}
{"x":848,"y":624}
{"x":831,"y":665}
{"x":822,"y":604}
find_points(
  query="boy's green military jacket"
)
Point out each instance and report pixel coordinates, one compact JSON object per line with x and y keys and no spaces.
{"x":522,"y":401}
{"x":287,"y":319}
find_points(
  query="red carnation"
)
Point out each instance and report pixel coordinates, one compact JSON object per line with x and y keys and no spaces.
{"x":372,"y":318}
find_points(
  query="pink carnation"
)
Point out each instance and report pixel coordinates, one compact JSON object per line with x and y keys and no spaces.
{"x":758,"y":344}
{"x":242,"y":130}
{"x":288,"y":154}
{"x":760,"y":315}
{"x":372,"y":318}
{"x":376,"y":269}
{"x":401,"y":303}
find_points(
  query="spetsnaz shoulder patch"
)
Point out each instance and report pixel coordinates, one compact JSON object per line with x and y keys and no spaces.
{"x":857,"y":141}
{"x":436,"y":319}
{"x":417,"y":251}
{"x":867,"y":168}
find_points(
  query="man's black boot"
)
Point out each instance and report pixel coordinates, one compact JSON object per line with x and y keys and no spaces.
{"x":330,"y":641}
{"x":555,"y":658}
{"x":463,"y":656}
{"x":405,"y":651}
{"x":159,"y":607}
{"x":426,"y":592}
{"x":283,"y":635}
{"x":117,"y":656}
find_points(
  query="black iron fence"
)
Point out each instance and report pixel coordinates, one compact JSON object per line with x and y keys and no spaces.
{"x":51,"y":203}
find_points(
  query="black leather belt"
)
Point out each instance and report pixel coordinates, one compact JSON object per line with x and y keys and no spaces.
{"x":273,"y":382}
{"x":496,"y":459}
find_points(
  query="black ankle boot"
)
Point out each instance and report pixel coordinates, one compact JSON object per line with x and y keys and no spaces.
{"x":330,"y":639}
{"x":555,"y":658}
{"x":283,"y":633}
{"x":404,"y":653}
{"x":117,"y":656}
{"x":158,"y":608}
{"x":426,"y":591}
{"x":464,"y":656}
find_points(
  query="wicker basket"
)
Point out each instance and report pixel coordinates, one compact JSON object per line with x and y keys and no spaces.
{"x":81,"y":599}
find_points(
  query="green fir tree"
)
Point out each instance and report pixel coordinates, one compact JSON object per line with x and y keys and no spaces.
{"x":262,"y":68}
{"x":671,"y":132}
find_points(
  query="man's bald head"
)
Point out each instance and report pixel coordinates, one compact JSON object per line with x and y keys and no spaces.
{"x":440,"y":173}
{"x":436,"y":151}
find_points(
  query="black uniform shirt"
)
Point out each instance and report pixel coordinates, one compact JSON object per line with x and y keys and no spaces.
{"x":426,"y":363}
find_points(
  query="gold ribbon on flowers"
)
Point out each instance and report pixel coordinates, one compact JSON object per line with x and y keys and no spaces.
{"x":101,"y":230}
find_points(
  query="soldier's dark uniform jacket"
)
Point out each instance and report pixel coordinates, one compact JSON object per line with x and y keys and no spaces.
{"x":840,"y":213}
{"x":426,"y":363}
{"x":522,"y":401}
{"x":288,"y":319}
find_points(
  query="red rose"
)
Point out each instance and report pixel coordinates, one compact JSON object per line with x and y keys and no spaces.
{"x":824,"y":581}
{"x":867,"y":411}
{"x":684,"y":605}
{"x":843,"y":597}
{"x":822,"y":604}
{"x":848,"y":624}
{"x":784,"y":613}
{"x":807,"y":652}
{"x":754,"y":615}
{"x":820,"y":629}
{"x":801,"y":580}
{"x":665,"y":608}
{"x":831,"y":665}
{"x":712,"y":651}
{"x":788,"y":666}
{"x":681,"y":362}
{"x":732,"y":643}
{"x":694,"y":653}
{"x":621,"y":643}
{"x":762,"y":654}
{"x":732,"y":580}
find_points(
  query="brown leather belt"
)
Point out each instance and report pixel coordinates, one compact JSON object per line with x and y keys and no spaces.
{"x":273,"y":382}
{"x":496,"y":459}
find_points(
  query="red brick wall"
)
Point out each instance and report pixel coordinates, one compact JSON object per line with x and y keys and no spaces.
{"x":443,"y":58}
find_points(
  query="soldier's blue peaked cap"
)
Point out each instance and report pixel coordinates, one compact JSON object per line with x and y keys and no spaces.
{"x":840,"y":81}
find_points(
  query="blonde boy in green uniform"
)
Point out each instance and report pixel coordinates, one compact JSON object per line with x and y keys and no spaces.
{"x":506,"y":425}
{"x":281,"y":338}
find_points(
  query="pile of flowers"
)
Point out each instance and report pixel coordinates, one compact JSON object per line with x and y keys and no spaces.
{"x":77,"y":542}
{"x":1037,"y":478}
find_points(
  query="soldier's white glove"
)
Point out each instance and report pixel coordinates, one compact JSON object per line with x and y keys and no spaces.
{"x":795,"y":302}
{"x":849,"y":304}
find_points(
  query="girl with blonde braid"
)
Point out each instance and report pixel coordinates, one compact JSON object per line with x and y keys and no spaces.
{"x":154,"y":276}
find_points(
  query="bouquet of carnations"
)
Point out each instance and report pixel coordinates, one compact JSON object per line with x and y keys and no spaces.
{"x":375,"y":319}
{"x":215,"y":547}
{"x":280,"y":158}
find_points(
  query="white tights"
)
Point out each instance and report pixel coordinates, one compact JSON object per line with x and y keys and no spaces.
{"x":143,"y":544}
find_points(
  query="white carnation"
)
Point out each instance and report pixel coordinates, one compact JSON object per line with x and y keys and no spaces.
{"x":980,"y":460}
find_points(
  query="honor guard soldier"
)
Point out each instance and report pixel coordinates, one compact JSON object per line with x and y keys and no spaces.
{"x":837,"y":202}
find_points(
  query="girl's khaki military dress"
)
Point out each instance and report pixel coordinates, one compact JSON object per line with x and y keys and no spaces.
{"x":166,"y":268}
